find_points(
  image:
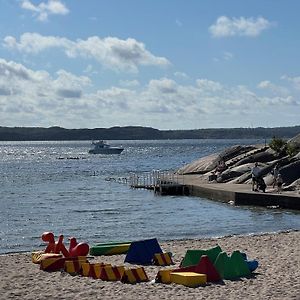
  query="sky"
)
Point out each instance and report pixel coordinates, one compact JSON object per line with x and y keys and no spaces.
{"x":166,"y":64}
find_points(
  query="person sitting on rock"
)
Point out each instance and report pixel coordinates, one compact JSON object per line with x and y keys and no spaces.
{"x":221,"y":166}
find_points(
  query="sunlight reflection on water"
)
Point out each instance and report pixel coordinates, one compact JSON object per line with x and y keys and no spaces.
{"x":57,"y":186}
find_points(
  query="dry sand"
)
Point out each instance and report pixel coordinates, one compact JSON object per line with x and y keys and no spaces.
{"x":278,"y":275}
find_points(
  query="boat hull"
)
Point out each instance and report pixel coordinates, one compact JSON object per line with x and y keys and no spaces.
{"x":106,"y":151}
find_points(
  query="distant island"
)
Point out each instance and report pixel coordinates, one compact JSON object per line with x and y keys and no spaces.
{"x":141,"y":133}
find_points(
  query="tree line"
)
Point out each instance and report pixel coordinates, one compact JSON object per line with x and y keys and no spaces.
{"x":141,"y":133}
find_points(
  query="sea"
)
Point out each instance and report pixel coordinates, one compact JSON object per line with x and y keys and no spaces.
{"x":59,"y":187}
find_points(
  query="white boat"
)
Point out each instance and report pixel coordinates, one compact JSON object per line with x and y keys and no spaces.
{"x":102,"y":147}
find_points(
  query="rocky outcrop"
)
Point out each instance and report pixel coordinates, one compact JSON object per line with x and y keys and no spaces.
{"x":200,"y":166}
{"x":290,"y":172}
{"x":295,"y":141}
{"x":239,"y":161}
{"x":209,"y":163}
{"x":261,"y":156}
{"x":294,"y":186}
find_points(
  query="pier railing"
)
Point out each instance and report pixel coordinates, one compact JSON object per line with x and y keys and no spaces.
{"x":155,"y":179}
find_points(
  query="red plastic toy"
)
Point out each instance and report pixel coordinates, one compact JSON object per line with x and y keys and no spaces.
{"x":75,"y":249}
{"x":78,"y":249}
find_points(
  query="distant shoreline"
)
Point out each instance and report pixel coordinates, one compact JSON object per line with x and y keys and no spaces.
{"x":141,"y":133}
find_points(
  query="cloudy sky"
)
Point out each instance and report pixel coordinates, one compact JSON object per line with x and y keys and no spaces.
{"x":167,"y":64}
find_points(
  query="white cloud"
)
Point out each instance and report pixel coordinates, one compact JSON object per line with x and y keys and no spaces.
{"x":208,"y":85}
{"x":36,"y":98}
{"x":111,"y":52}
{"x":44,"y":9}
{"x":34,"y":43}
{"x":273,"y":88}
{"x":35,"y":95}
{"x":66,"y":80}
{"x":227,"y":55}
{"x":181,"y":75}
{"x":294,"y":80}
{"x":163,"y":86}
{"x":129,"y":83}
{"x":251,"y":27}
{"x":264,"y":84}
{"x":279,"y":101}
{"x":90,"y":70}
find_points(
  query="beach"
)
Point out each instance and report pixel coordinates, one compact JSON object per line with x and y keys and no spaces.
{"x":277,"y":276}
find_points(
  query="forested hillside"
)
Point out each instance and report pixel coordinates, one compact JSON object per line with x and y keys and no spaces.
{"x":141,"y":133}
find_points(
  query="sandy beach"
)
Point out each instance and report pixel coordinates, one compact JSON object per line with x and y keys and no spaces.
{"x":278,"y":275}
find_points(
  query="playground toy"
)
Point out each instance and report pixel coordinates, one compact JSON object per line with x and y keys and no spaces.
{"x":164,"y":276}
{"x":252,"y":264}
{"x":142,"y":252}
{"x":78,"y":249}
{"x":92,"y":270}
{"x":134,"y":275}
{"x":38,"y":256}
{"x":205,"y":266}
{"x":189,"y":279}
{"x":74,"y":267}
{"x":197,"y":267}
{"x":192,"y":257}
{"x":55,"y":247}
{"x":55,"y":263}
{"x":75,"y":249}
{"x":232,"y":267}
{"x":112,"y":273}
{"x":110,"y":248}
{"x":163,"y":259}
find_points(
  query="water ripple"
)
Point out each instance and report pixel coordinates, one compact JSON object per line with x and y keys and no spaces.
{"x":73,"y":196}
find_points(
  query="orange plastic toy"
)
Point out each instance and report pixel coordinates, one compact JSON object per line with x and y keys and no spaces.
{"x":55,"y":247}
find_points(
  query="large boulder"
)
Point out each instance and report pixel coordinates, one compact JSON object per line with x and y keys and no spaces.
{"x":290,"y":172}
{"x":235,"y":172}
{"x":294,"y":186}
{"x":209,"y":163}
{"x":234,"y":151}
{"x":200,"y":166}
{"x":242,"y":178}
{"x":263,"y":156}
{"x":295,"y":141}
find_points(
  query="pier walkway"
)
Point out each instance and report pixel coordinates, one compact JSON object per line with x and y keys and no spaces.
{"x":166,"y":183}
{"x":241,"y":194}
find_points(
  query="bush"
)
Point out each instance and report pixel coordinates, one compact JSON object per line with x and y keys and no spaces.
{"x":278,"y":145}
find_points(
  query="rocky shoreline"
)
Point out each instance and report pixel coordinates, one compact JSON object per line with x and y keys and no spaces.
{"x":233,"y":165}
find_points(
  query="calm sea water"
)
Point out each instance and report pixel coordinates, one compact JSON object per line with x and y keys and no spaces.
{"x":42,"y":189}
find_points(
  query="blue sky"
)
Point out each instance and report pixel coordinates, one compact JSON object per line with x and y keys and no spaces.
{"x":167,"y":64}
